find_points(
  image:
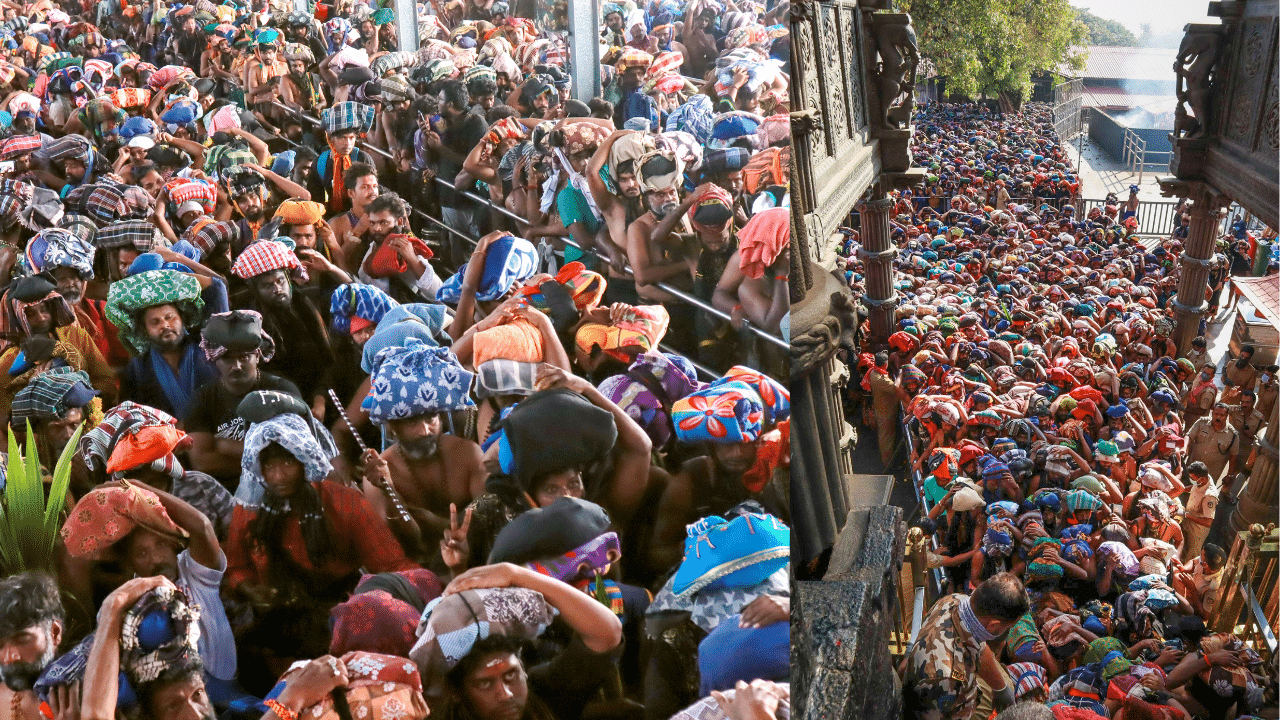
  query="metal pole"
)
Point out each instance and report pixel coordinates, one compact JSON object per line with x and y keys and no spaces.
{"x":584,"y":49}
{"x":407,"y":25}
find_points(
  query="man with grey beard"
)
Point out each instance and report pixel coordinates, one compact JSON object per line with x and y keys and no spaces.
{"x":657,"y":256}
{"x":31,"y":624}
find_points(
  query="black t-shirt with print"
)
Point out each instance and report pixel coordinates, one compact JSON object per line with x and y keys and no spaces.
{"x":213,"y":409}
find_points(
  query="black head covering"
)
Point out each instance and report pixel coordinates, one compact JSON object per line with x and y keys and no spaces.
{"x":549,"y":531}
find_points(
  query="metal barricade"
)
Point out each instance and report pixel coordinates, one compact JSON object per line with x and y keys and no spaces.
{"x":679,"y":294}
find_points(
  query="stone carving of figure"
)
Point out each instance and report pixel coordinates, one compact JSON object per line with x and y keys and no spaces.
{"x":1197,"y":56}
{"x":899,"y":57}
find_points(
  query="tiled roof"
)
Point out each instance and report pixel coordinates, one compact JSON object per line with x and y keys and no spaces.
{"x":1264,"y":293}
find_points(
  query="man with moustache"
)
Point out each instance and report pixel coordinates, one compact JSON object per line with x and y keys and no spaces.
{"x":343,"y":124}
{"x":621,"y":203}
{"x":236,"y":345}
{"x":31,"y":625}
{"x":394,"y":261}
{"x":411,"y":391}
{"x":289,"y":312}
{"x":657,"y":256}
{"x":1241,"y":374}
{"x":155,"y":312}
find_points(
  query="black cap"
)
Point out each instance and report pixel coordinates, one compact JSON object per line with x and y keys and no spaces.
{"x":262,"y":405}
{"x":30,"y":288}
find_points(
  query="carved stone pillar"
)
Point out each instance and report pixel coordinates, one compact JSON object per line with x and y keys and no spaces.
{"x":1260,"y":499}
{"x":822,"y":442}
{"x":1206,"y":214}
{"x":877,"y":255}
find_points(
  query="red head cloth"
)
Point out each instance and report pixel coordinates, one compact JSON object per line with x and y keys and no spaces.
{"x":762,"y":240}
{"x":706,"y":201}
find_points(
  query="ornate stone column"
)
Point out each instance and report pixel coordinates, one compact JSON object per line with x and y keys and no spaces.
{"x":1206,"y":215}
{"x":1260,"y":501}
{"x":877,"y":254}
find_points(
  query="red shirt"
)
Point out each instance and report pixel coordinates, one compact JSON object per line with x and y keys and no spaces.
{"x":361,"y":539}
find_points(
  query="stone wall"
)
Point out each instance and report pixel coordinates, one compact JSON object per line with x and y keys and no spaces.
{"x":840,"y":626}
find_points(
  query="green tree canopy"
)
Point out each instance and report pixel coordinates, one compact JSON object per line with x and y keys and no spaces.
{"x":1106,"y":32}
{"x":992,"y":47}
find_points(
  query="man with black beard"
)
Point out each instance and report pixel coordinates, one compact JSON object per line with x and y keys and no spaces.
{"x":298,"y":30}
{"x":235,"y":343}
{"x":31,"y":624}
{"x":659,"y":257}
{"x":393,"y":260}
{"x":170,"y":344}
{"x":620,"y":205}
{"x":292,"y":313}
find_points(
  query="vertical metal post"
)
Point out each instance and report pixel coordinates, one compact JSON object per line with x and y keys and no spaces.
{"x":584,"y":49}
{"x":407,"y":25}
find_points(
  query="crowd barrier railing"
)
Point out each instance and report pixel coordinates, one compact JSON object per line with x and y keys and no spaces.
{"x":675,"y":292}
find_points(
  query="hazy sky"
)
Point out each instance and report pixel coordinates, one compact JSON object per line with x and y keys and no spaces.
{"x":1164,"y":15}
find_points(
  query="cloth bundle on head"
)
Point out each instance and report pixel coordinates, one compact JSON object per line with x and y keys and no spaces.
{"x":19,"y":145}
{"x":518,"y":340}
{"x":293,"y":434}
{"x":98,"y":446}
{"x":641,"y":327}
{"x":379,"y":687}
{"x":762,"y":240}
{"x":141,"y":235}
{"x":727,"y":412}
{"x":453,"y":624}
{"x":355,"y":306}
{"x":568,"y":540}
{"x":626,"y":151}
{"x":300,"y":212}
{"x":712,"y":208}
{"x":199,"y":191}
{"x":507,"y":261}
{"x":108,"y":513}
{"x":265,"y":256}
{"x":55,"y":247}
{"x":1027,"y":678}
{"x":382,"y":615}
{"x":585,"y":287}
{"x":584,"y":434}
{"x":347,"y":116}
{"x":658,"y":170}
{"x":50,"y":394}
{"x":236,"y":331}
{"x":776,"y":398}
{"x":649,"y":389}
{"x":158,"y":637}
{"x":740,"y":552}
{"x":127,"y":298}
{"x":145,"y":446}
{"x":415,"y":380}
{"x":498,"y":377}
{"x":205,"y":235}
{"x":424,"y":321}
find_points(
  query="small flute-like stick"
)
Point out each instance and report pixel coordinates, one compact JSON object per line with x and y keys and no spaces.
{"x":385,"y":485}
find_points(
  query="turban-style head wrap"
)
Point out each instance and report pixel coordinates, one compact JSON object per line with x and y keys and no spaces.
{"x":659,"y":170}
{"x":584,"y":434}
{"x":632,"y":57}
{"x":518,"y":340}
{"x":300,"y":212}
{"x":453,"y":624}
{"x":1111,"y":653}
{"x":265,"y":256}
{"x":1027,"y":678}
{"x":355,"y":306}
{"x":206,"y":236}
{"x":728,"y":412}
{"x":108,"y":513}
{"x":127,"y":299}
{"x":140,"y":235}
{"x":762,"y":240}
{"x":27,"y":292}
{"x":626,"y":151}
{"x":712,"y":209}
{"x":508,"y":260}
{"x":144,"y":446}
{"x":98,"y":446}
{"x":382,"y":615}
{"x":584,"y":288}
{"x":650,"y":388}
{"x":55,"y":247}
{"x":293,"y":434}
{"x":236,"y":331}
{"x":641,"y":327}
{"x":158,"y":637}
{"x":415,"y":380}
{"x":504,"y":129}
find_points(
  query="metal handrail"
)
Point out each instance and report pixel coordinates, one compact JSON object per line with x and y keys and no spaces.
{"x":679,"y":294}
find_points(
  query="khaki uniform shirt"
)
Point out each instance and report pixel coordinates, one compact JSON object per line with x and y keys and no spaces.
{"x":1214,"y":448}
{"x":1203,"y":502}
{"x":1245,"y":377}
{"x":1267,"y":396}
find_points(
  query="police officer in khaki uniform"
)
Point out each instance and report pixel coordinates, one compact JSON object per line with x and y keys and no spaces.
{"x":1201,"y":509}
{"x":1213,"y":441}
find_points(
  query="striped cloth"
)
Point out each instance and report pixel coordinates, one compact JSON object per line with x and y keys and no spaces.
{"x":347,"y":116}
{"x":263,"y":257}
{"x":140,"y":234}
{"x":205,"y":234}
{"x":97,"y":444}
{"x":42,"y":398}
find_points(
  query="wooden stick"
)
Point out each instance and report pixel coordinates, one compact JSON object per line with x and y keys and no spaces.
{"x":386,"y":486}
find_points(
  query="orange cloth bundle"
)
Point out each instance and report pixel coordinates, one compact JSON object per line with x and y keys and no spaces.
{"x":518,"y":340}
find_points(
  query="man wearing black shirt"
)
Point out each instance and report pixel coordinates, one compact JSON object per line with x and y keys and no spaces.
{"x":462,"y":132}
{"x":236,"y":344}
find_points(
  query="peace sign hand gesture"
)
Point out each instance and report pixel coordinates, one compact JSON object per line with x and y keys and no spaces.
{"x":453,"y":546}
